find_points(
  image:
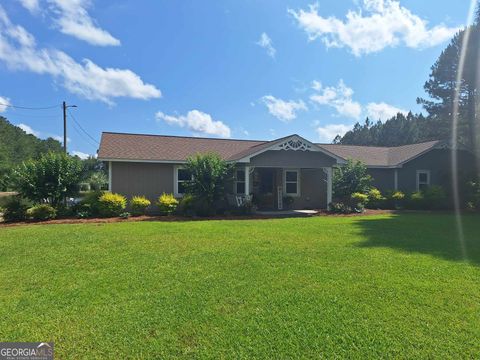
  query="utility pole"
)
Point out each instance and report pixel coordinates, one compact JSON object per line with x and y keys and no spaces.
{"x":65,"y":107}
{"x":64,"y":127}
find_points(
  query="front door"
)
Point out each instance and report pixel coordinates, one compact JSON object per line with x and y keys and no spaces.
{"x":267,"y":188}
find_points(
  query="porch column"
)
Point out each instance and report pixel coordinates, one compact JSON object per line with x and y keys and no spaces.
{"x":247,"y":180}
{"x":110,"y":176}
{"x":395,"y":180}
{"x":329,"y":186}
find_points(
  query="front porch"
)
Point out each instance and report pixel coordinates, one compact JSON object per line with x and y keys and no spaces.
{"x":285,"y":188}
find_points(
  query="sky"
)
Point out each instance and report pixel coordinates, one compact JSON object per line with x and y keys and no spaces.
{"x":233,"y":69}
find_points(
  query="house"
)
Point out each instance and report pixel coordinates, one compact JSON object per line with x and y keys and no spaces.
{"x":270,"y":170}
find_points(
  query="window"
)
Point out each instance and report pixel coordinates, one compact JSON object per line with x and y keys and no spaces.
{"x":240,"y":181}
{"x":181,"y":177}
{"x":291,"y":182}
{"x":423,"y":179}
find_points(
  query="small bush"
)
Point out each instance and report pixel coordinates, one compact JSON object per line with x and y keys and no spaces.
{"x":375,"y":199}
{"x":395,"y":200}
{"x":139,"y":205}
{"x":435,"y":198}
{"x":167,"y":203}
{"x":16,"y":209}
{"x":416,"y":201}
{"x":359,"y":198}
{"x":125,"y":215}
{"x":42,"y":212}
{"x":90,"y":205}
{"x":111,"y":204}
{"x":186,"y":206}
{"x":340,"y":208}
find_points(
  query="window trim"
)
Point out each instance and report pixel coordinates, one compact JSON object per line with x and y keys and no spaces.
{"x":427,"y":172}
{"x":175,"y":181}
{"x":243,"y":181}
{"x":297,"y":194}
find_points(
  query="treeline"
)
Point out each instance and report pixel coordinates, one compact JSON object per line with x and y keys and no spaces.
{"x":16,"y":146}
{"x":441,"y":88}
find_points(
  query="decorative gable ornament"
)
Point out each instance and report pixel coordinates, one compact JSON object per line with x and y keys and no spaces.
{"x":295,"y":144}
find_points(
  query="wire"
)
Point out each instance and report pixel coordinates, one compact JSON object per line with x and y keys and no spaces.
{"x":30,"y":108}
{"x":82,"y":135}
{"x":81,"y":128}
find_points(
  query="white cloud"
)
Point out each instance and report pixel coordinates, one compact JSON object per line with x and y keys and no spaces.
{"x":198,"y":122}
{"x":328,"y":132}
{"x":338,"y":97}
{"x":316,"y":85}
{"x":376,"y":25}
{"x":81,"y":155}
{"x":4,"y":103}
{"x":281,"y":109}
{"x":382,"y":111}
{"x":31,"y":5}
{"x":73,"y":19}
{"x":266,"y":43}
{"x":28,"y":130}
{"x":87,"y":79}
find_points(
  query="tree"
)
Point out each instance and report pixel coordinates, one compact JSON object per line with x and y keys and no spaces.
{"x":443,"y":84}
{"x":51,"y":178}
{"x":350,"y":178}
{"x":209,"y":173}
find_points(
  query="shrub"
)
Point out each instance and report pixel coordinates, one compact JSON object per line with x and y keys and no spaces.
{"x":209,"y":174}
{"x":395,"y":199}
{"x":340,"y":208}
{"x":167,"y":204}
{"x":89,"y":206}
{"x":42,"y":212}
{"x":359,"y":198}
{"x":375,"y":199}
{"x":16,"y":209}
{"x":111,"y":204}
{"x":350,"y":178}
{"x":435,"y":198}
{"x":139,"y":205}
{"x":186,"y":206}
{"x":416,"y":201}
{"x":53,"y":176}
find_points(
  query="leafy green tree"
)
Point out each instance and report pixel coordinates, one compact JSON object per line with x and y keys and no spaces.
{"x":351,"y":178}
{"x":51,"y":178}
{"x":17,"y":146}
{"x":209,"y":173}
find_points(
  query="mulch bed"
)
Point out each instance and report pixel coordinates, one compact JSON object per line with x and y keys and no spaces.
{"x":183,"y":218}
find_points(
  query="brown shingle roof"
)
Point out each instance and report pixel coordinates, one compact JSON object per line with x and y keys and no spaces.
{"x":380,"y":156}
{"x":166,"y":148}
{"x":121,"y":146}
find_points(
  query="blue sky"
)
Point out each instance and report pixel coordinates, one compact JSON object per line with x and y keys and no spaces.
{"x":240,"y":69}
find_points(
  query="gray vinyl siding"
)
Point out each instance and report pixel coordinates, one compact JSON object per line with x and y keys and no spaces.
{"x":313,"y":190}
{"x":438,"y":162}
{"x":383,"y":179}
{"x":148,"y":179}
{"x":292,"y":159}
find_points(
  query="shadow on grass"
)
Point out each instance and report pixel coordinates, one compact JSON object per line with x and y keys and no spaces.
{"x":425,"y":233}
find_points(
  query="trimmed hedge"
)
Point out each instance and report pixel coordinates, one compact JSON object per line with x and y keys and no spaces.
{"x":111,"y":204}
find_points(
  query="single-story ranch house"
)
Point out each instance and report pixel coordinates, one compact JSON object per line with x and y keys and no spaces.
{"x":270,"y":170}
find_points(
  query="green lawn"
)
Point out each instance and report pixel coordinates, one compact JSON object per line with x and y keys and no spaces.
{"x":357,"y":287}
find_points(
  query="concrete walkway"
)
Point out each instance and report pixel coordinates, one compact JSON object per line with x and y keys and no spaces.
{"x":288,"y":213}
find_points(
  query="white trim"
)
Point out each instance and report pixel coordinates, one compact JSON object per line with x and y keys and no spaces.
{"x":395,"y":179}
{"x":239,"y":181}
{"x":297,"y":194}
{"x":175,"y":180}
{"x":329,"y":172}
{"x":110,"y":176}
{"x":247,"y":180}
{"x":307,"y":146}
{"x":418,"y":178}
{"x":144,"y":161}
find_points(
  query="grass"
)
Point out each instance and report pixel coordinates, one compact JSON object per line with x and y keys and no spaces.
{"x":356,"y":287}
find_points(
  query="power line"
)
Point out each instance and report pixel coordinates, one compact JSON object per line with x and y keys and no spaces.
{"x":30,"y":108}
{"x":81,"y":128}
{"x":82,"y":135}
